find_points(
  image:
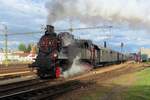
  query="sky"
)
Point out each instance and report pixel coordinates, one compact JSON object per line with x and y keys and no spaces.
{"x":130,"y":21}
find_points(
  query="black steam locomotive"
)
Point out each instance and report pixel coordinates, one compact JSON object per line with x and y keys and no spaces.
{"x":57,"y":52}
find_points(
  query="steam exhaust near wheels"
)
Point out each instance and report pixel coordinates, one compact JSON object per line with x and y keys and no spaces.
{"x":76,"y":68}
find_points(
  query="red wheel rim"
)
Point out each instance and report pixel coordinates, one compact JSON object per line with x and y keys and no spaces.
{"x":58,"y":72}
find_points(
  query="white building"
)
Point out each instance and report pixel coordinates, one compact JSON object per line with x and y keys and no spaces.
{"x":145,"y":53}
{"x":16,"y":58}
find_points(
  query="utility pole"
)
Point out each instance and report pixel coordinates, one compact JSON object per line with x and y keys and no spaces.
{"x":6,"y":45}
{"x":108,"y":34}
{"x":122,"y":47}
{"x":122,"y":50}
{"x":70,"y":29}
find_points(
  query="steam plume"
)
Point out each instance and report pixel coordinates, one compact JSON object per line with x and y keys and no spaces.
{"x":134,"y":13}
{"x":76,"y":68}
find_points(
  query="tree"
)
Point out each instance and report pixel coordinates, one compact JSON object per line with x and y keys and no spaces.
{"x":22,"y":47}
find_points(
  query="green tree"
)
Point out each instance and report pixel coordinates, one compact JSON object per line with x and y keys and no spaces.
{"x":22,"y":47}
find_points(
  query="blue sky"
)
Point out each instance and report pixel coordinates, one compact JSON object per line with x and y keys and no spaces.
{"x":130,"y":23}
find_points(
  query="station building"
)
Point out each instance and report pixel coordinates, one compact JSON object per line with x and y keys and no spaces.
{"x":145,"y":54}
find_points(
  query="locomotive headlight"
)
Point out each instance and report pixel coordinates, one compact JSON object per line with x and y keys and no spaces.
{"x":55,"y":54}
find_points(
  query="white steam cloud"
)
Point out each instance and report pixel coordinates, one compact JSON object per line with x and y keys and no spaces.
{"x":76,"y":68}
{"x":134,"y":13}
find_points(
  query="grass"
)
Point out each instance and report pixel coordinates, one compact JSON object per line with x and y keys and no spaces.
{"x":95,"y":93}
{"x":140,"y":90}
{"x":147,"y":62}
{"x":134,"y":86}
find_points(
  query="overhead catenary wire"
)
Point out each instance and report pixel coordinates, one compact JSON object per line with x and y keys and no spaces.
{"x":67,"y":30}
{"x":58,"y":30}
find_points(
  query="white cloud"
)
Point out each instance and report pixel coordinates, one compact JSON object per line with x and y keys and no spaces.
{"x":20,"y":14}
{"x":24,"y":6}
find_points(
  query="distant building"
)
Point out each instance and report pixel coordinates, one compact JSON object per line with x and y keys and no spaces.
{"x":17,"y":57}
{"x":135,"y":56}
{"x":145,"y":54}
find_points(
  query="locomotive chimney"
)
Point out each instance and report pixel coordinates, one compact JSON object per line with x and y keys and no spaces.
{"x":50,"y":28}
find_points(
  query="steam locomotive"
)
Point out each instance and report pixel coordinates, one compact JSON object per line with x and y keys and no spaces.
{"x":57,"y":52}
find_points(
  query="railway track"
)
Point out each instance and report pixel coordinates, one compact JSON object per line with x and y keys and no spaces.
{"x":17,"y":85}
{"x":15,"y":71}
{"x":49,"y":89}
{"x":14,"y":68}
{"x":38,"y":90}
{"x":23,"y":86}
